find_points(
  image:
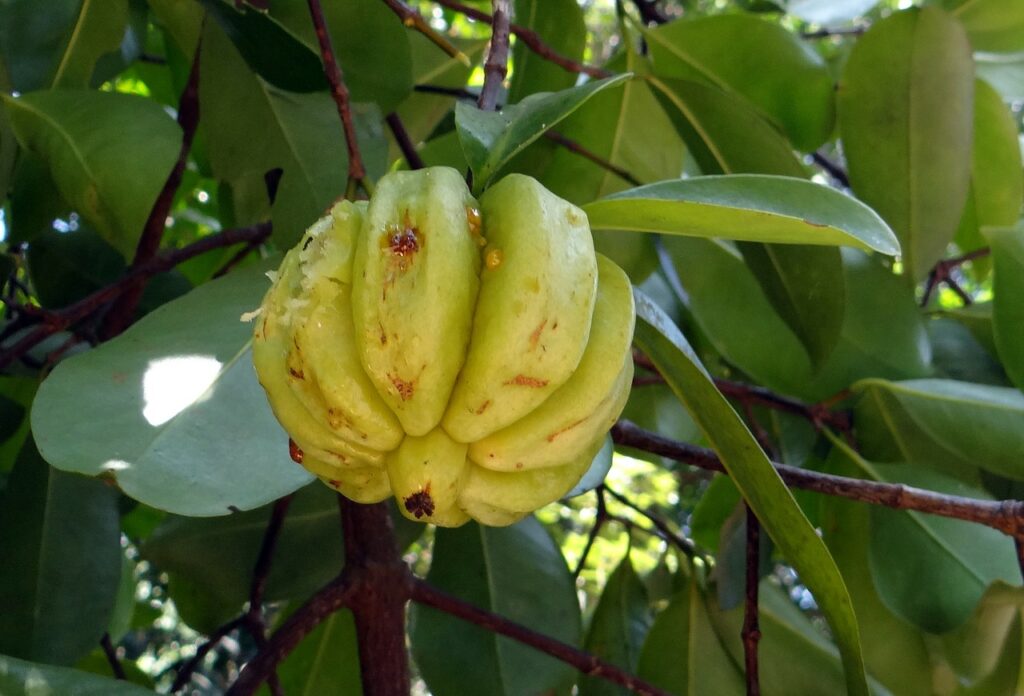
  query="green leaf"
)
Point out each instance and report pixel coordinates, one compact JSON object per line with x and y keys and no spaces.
{"x":60,"y":544}
{"x":299,"y":133}
{"x":618,"y":628}
{"x":559,"y":23}
{"x":976,"y":648}
{"x":1008,"y":299}
{"x":108,"y":153}
{"x":944,"y":565}
{"x":827,"y":11}
{"x":997,"y":177}
{"x":974,"y":423}
{"x":516,"y":572}
{"x":326,"y":661}
{"x":490,"y":139}
{"x":729,"y":306}
{"x":683,"y":654}
{"x":759,"y":60}
{"x":756,"y":479}
{"x":19,"y":678}
{"x":58,"y":274}
{"x":98,"y":29}
{"x":273,"y":52}
{"x":195,"y":433}
{"x":750,"y":207}
{"x":992,"y":25}
{"x":890,"y":127}
{"x":957,"y":354}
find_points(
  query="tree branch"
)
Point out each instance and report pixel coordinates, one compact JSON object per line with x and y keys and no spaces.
{"x":405,"y":144}
{"x":530,"y":39}
{"x":120,"y":315}
{"x":414,"y":20}
{"x":54,"y":322}
{"x":751,"y":632}
{"x":665,"y":532}
{"x":834,"y":170}
{"x":111,"y":653}
{"x":184,"y":675}
{"x":599,"y":519}
{"x":1007,"y":515}
{"x":943,"y":273}
{"x":573,"y":146}
{"x":584,"y":662}
{"x":340,"y":94}
{"x":496,"y":65}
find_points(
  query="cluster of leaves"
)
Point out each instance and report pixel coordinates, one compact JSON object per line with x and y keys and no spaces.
{"x":786,"y":198}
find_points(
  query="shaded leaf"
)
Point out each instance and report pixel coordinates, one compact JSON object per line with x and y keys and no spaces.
{"x":1008,"y":299}
{"x":98,"y":29}
{"x":992,"y":25}
{"x":59,"y":534}
{"x":756,"y":479}
{"x":559,"y":23}
{"x":110,"y":173}
{"x":19,"y":678}
{"x":195,"y":433}
{"x":490,"y":139}
{"x":889,"y":128}
{"x":515,"y":571}
{"x":326,"y":661}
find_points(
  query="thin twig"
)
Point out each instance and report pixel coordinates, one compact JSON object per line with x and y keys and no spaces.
{"x":414,"y":20}
{"x":751,"y":632}
{"x":120,"y":315}
{"x":65,"y":318}
{"x":943,"y":273}
{"x":829,"y":33}
{"x":685,"y":545}
{"x":340,"y":94}
{"x":405,"y":144}
{"x":649,"y":11}
{"x":496,"y":64}
{"x":588,"y":664}
{"x":599,"y":519}
{"x":1006,"y":515}
{"x":184,"y":675}
{"x":111,"y":653}
{"x":530,"y":39}
{"x":834,"y":170}
{"x":573,"y":146}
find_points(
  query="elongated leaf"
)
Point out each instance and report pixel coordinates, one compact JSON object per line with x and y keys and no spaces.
{"x":972,"y":422}
{"x":618,"y":628}
{"x":490,"y":139}
{"x":299,"y":133}
{"x":60,"y":548}
{"x":976,"y":648}
{"x":750,"y":207}
{"x":683,"y":654}
{"x":271,"y":51}
{"x":20,"y":678}
{"x":108,"y":153}
{"x":195,"y":433}
{"x":756,"y":479}
{"x":98,"y":29}
{"x":326,"y":661}
{"x":560,"y":25}
{"x":515,"y":571}
{"x":889,"y":128}
{"x":992,"y":25}
{"x":1008,"y":299}
{"x":945,"y":564}
{"x":760,"y":60}
{"x":997,"y":177}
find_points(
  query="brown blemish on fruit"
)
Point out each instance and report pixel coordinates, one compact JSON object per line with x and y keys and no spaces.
{"x":572,"y":216}
{"x":494,"y":259}
{"x":336,"y":419}
{"x":333,"y":483}
{"x":305,"y":244}
{"x":474,"y":221}
{"x":405,"y":389}
{"x":535,"y":336}
{"x":524,"y":381}
{"x":263,"y":327}
{"x":294,"y":451}
{"x":519,"y":465}
{"x":483,"y":407}
{"x":383,"y":334}
{"x":420,"y":503}
{"x":552,"y":436}
{"x":297,"y":374}
{"x":814,"y":224}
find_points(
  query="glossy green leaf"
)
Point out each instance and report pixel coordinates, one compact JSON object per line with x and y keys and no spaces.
{"x":515,"y":571}
{"x":976,"y":423}
{"x":1008,"y":299}
{"x":757,"y":59}
{"x":975,"y":649}
{"x":490,"y":139}
{"x":326,"y":661}
{"x":716,"y":505}
{"x":273,"y":52}
{"x":958,"y":355}
{"x":895,"y":651}
{"x":618,"y":628}
{"x":997,"y":177}
{"x":890,"y":127}
{"x":756,"y":479}
{"x":559,"y":23}
{"x":827,"y":11}
{"x":60,"y":548}
{"x":299,"y":133}
{"x":108,"y":153}
{"x":992,"y":25}
{"x":977,"y":318}
{"x":20,"y":678}
{"x":749,"y":207}
{"x":58,"y":274}
{"x":195,"y":433}
{"x":682,"y":653}
{"x":945,"y":565}
{"x":98,"y":29}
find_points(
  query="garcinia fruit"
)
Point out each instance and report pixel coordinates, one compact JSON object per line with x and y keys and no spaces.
{"x":465,"y":357}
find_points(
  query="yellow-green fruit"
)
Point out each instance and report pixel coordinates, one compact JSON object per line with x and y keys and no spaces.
{"x":465,"y":358}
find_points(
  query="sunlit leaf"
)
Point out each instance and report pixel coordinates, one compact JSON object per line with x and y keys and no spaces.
{"x":1008,"y":301}
{"x":19,"y":678}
